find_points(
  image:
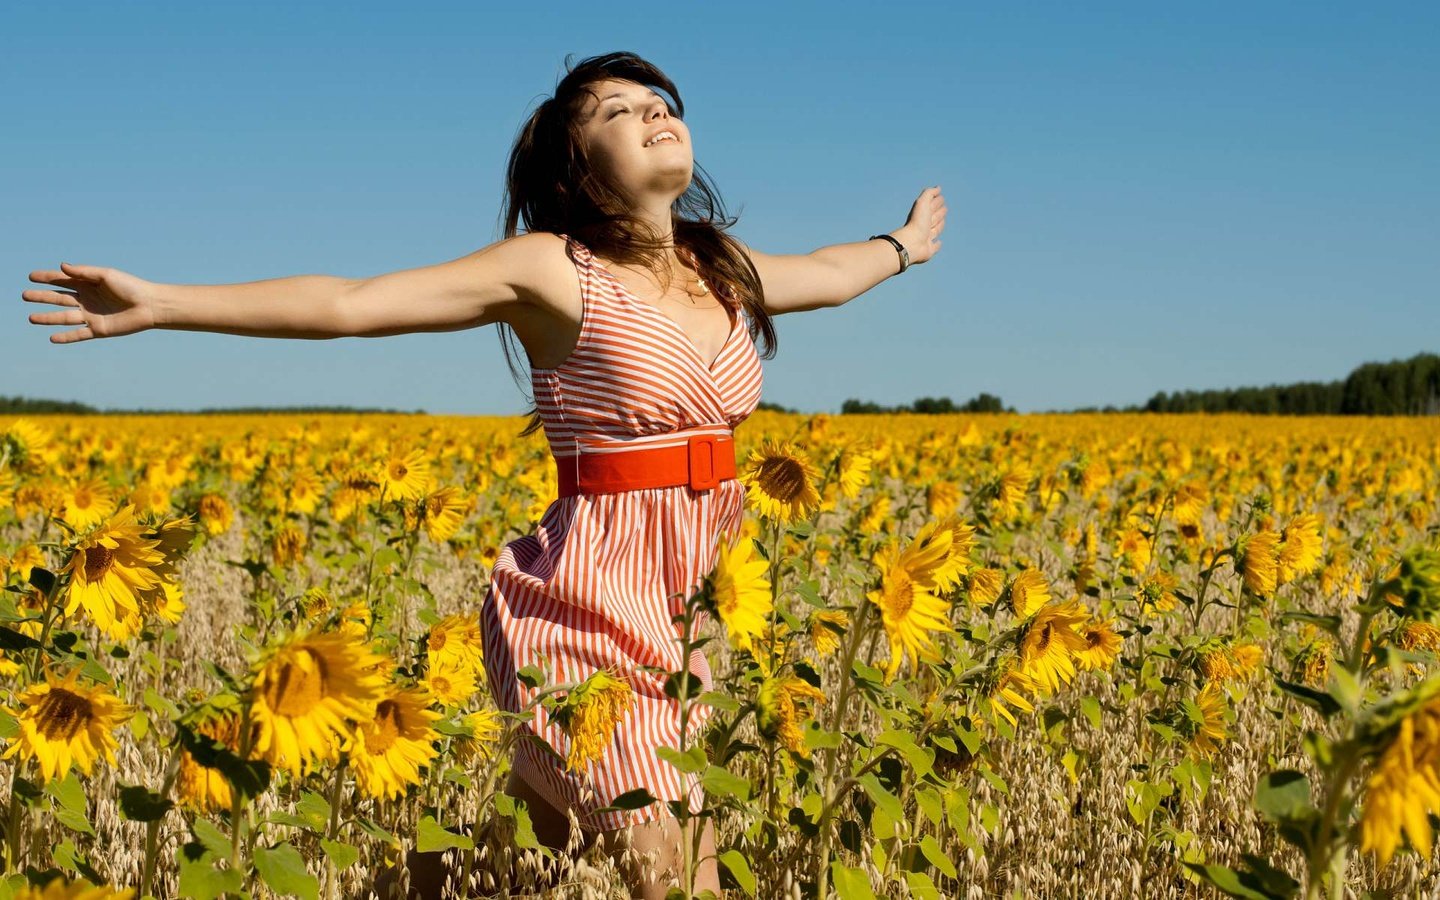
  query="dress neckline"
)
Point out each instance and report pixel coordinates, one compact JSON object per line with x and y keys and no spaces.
{"x":689,"y":341}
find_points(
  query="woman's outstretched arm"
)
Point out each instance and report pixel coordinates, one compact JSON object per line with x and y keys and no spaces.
{"x":480,"y":288}
{"x":833,"y":275}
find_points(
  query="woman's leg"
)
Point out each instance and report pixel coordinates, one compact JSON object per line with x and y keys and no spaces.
{"x":651,"y":857}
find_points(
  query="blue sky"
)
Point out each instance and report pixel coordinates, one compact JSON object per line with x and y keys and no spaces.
{"x":1141,"y":196}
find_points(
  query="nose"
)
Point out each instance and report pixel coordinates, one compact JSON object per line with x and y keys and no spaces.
{"x":658,"y":105}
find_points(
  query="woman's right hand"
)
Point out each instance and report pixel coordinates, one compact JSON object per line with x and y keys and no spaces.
{"x":104,"y":302}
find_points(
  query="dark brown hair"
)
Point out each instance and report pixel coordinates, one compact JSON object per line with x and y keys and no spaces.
{"x":551,"y":186}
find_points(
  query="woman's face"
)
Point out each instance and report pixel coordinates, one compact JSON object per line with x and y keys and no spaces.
{"x":616,"y":122}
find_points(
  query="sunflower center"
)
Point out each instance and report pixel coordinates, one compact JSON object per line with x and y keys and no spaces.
{"x":782,"y":478}
{"x":61,"y":714}
{"x":398,"y":471}
{"x":83,"y":499}
{"x":97,"y":562}
{"x":1093,"y":639}
{"x":385,"y":731}
{"x":899,"y":594}
{"x":1043,"y":642}
{"x":297,"y":689}
{"x":437,"y":640}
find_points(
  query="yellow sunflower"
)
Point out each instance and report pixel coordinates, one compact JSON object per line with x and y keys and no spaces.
{"x":305,"y":692}
{"x":388,"y":750}
{"x":590,"y":713}
{"x":826,"y":627}
{"x":87,"y":502}
{"x":450,"y":681}
{"x":740,"y":591}
{"x":1404,"y":789}
{"x":58,"y":889}
{"x":854,"y":471}
{"x":486,"y":728}
{"x":1157,"y":593}
{"x":781,"y":481}
{"x":1049,"y":643}
{"x":1101,"y":645}
{"x":1207,"y":720}
{"x":1028,"y":593}
{"x":1189,"y":503}
{"x":456,"y":641}
{"x":961,"y":539}
{"x":1259,"y":568}
{"x":986,"y":585}
{"x":110,"y":566}
{"x":909,"y":610}
{"x":405,"y":475}
{"x":1002,"y":685}
{"x":200,"y":787}
{"x":63,"y":722}
{"x":783,"y":707}
{"x":287,"y":545}
{"x":442,"y":513}
{"x":1300,"y":548}
{"x":215,"y":514}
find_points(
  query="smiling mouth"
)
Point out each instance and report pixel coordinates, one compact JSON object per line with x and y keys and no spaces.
{"x":671,"y":139}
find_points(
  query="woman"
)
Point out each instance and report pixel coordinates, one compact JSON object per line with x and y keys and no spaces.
{"x":626,"y":296}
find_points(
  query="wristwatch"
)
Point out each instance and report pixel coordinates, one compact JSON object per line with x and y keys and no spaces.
{"x":899,"y":248}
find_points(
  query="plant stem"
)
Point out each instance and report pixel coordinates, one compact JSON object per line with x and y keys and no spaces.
{"x":832,"y":758}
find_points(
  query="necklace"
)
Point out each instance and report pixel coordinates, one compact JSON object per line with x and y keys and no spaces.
{"x":699,"y":282}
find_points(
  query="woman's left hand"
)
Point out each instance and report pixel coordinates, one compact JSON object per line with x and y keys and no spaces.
{"x":922,"y":229}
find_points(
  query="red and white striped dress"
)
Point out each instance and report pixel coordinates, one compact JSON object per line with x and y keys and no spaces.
{"x":597,"y":583}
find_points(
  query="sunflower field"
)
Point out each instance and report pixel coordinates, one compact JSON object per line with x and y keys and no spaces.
{"x":959,"y":656}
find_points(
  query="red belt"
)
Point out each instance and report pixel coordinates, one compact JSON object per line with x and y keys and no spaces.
{"x":702,"y":462}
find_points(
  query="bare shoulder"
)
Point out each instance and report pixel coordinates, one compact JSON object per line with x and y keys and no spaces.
{"x":532,"y":266}
{"x":547,"y":321}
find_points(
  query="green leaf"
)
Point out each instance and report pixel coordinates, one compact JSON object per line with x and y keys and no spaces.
{"x":314,"y":809}
{"x":720,"y":701}
{"x":883,"y":798}
{"x":739,"y":869}
{"x":214,"y":840}
{"x":140,"y":804}
{"x":1321,"y":701}
{"x":724,"y":783}
{"x":1345,"y":689}
{"x":1143,"y":797}
{"x":920,"y":759}
{"x":68,"y":803}
{"x":432,"y":836}
{"x":1328,"y":623}
{"x":1090,"y":706}
{"x":850,"y":884}
{"x":1248,"y":885}
{"x":531,"y":676}
{"x":342,"y":855}
{"x":200,"y":880}
{"x":282,"y":868}
{"x":690,"y":762}
{"x":817,"y":738}
{"x":1283,"y":795}
{"x":922,"y":887}
{"x":639,"y":798}
{"x":933,"y":852}
{"x":159,"y":704}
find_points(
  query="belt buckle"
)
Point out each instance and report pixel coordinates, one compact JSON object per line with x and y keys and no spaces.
{"x":701,"y":449}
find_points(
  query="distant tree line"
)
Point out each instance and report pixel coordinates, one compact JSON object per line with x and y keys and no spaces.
{"x":21,"y":406}
{"x":982,"y":403}
{"x":1409,"y":387}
